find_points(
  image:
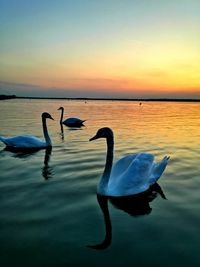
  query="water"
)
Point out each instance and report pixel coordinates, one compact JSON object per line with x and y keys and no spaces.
{"x":49,"y":212}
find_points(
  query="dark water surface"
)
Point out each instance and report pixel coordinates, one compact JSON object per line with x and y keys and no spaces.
{"x":49,"y":212}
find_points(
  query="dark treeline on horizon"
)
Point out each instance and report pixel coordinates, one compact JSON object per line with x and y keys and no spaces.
{"x":7,"y":97}
{"x":4,"y":97}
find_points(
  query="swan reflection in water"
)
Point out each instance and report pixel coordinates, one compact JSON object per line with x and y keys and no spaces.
{"x":61,"y":132}
{"x":62,"y":136}
{"x":47,"y":171}
{"x":134,"y":205}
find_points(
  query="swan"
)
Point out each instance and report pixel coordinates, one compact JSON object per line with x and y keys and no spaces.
{"x":29,"y":142}
{"x":132,"y":174}
{"x":70,"y":122}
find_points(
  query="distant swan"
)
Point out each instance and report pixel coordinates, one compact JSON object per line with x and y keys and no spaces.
{"x":29,"y":142}
{"x":131,"y":174}
{"x":71,"y":122}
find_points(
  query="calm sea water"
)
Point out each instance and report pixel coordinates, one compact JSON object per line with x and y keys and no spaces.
{"x":49,"y":212}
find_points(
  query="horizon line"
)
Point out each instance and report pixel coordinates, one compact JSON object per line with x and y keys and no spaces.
{"x":7,"y":97}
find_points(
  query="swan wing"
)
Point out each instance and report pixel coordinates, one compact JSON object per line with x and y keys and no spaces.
{"x":133,"y":179}
{"x":158,"y":169}
{"x":23,"y":142}
{"x":121,"y":165}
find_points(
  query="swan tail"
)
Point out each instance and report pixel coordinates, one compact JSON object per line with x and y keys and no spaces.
{"x":6,"y":141}
{"x":159,"y":169}
{"x":156,"y":187}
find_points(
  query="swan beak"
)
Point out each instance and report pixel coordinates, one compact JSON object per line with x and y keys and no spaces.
{"x":51,"y":118}
{"x":59,"y":109}
{"x":93,"y":138}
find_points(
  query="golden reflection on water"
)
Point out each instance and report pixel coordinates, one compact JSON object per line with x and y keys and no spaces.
{"x":151,"y":125}
{"x":166,"y":126}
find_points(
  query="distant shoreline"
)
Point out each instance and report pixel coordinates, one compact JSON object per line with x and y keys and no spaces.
{"x":8,"y":97}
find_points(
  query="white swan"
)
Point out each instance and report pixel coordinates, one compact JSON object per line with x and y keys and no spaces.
{"x":131,"y":174}
{"x":29,"y":142}
{"x":71,"y":122}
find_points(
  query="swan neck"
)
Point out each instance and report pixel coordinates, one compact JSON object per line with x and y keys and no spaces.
{"x":45,"y":131}
{"x":109,"y":159}
{"x":61,"y":117}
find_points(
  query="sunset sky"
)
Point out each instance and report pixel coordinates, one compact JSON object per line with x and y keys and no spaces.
{"x":100,"y":48}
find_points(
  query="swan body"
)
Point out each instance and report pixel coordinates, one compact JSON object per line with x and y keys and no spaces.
{"x":24,"y":141}
{"x":134,"y":174}
{"x":70,"y":122}
{"x":130,"y":175}
{"x":73,"y":122}
{"x":29,"y":142}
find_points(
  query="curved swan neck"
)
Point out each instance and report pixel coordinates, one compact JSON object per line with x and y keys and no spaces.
{"x":108,"y":165}
{"x":45,"y":131}
{"x":61,"y":117}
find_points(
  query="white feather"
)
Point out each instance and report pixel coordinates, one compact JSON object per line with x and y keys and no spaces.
{"x":134,"y":174}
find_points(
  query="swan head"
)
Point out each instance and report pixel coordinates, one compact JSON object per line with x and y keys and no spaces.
{"x":60,"y":108}
{"x":46,"y":115}
{"x":103,"y":133}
